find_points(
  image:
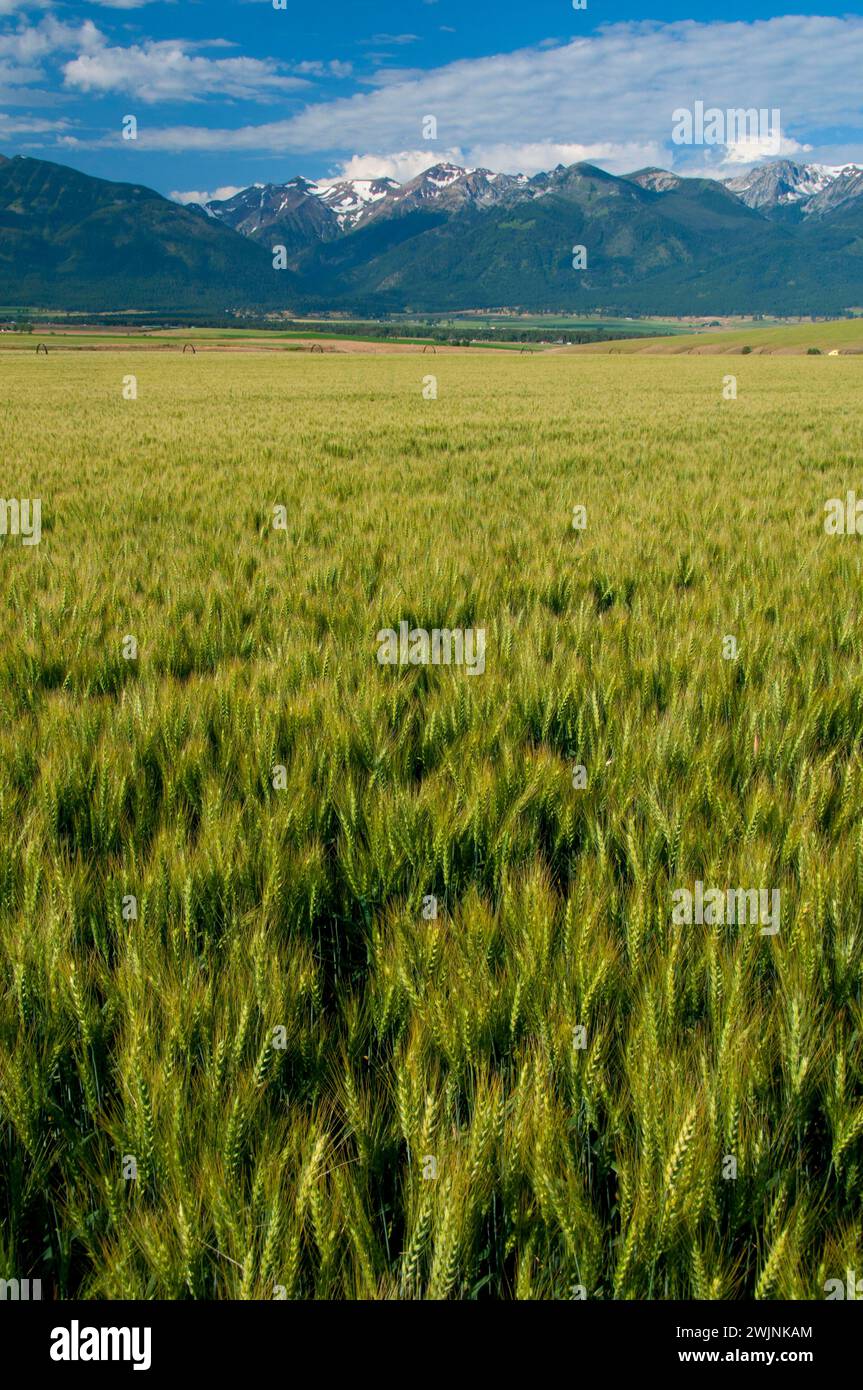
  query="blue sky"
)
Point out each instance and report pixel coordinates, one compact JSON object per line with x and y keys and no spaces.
{"x":227,"y":94}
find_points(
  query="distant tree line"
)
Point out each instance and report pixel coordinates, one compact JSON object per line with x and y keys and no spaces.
{"x":420,"y":331}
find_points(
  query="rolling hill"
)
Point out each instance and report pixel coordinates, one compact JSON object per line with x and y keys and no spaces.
{"x":71,"y":241}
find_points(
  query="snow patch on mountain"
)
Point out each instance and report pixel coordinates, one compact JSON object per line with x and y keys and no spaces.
{"x":351,"y":199}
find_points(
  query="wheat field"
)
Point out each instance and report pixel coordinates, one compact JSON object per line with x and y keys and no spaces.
{"x":238,"y":1057}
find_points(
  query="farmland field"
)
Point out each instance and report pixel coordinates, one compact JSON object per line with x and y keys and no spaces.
{"x":842,"y":336}
{"x":240,"y":1057}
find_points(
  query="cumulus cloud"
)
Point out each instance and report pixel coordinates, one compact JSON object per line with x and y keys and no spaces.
{"x":198,"y":196}
{"x":33,"y":42}
{"x":591,"y":94}
{"x":759,"y":147}
{"x":402,"y":166}
{"x":167,"y":71}
{"x":23,"y":52}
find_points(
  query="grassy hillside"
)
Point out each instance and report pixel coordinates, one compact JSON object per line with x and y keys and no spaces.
{"x":279,"y":1073}
{"x":843,"y":335}
{"x":71,"y":240}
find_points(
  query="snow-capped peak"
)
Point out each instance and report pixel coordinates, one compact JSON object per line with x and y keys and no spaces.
{"x":811,"y":188}
{"x":442,"y":175}
{"x":351,"y":199}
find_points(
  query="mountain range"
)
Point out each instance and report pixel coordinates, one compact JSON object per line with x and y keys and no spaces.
{"x":326,"y":210}
{"x":783,"y":238}
{"x":791,"y":192}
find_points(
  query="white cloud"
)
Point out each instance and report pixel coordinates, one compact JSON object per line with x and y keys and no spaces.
{"x":166,"y":71}
{"x":151,"y":71}
{"x":592,"y":94}
{"x":334,"y":68}
{"x":390,"y":77}
{"x":29,"y":125}
{"x":14,"y":75}
{"x":620,"y":158}
{"x":217,"y":195}
{"x":402,"y":166}
{"x":758,"y":147}
{"x":33,"y":42}
{"x":398,"y":39}
{"x":502,"y":158}
{"x":11,"y":6}
{"x":23,"y":52}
